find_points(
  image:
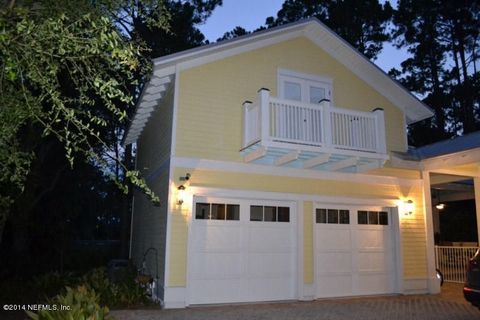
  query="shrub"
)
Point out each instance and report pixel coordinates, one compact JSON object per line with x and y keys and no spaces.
{"x":125,"y":292}
{"x":50,"y":284}
{"x":80,"y":303}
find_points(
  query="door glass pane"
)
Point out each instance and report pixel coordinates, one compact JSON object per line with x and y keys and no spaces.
{"x":283,"y":214}
{"x":202,"y":211}
{"x":383,"y":218}
{"x":270,"y":214}
{"x":372,"y":217}
{"x":293,"y":91}
{"x":233,"y":212}
{"x":332,"y":216}
{"x":316,"y":94}
{"x":256,"y":213}
{"x":321,"y":215}
{"x":218,"y":211}
{"x":344,"y":216}
{"x":362,"y":217}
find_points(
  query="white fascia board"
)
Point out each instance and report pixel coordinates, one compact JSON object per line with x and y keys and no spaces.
{"x":145,"y":110}
{"x":251,"y":168}
{"x":157,"y":81}
{"x":152,"y":89}
{"x":142,"y":117}
{"x":241,"y":44}
{"x":151,"y":97}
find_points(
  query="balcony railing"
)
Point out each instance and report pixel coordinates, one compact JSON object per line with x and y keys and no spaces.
{"x":270,"y":119}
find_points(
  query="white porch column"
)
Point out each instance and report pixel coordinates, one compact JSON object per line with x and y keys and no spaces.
{"x":476,"y":186}
{"x":433,"y":283}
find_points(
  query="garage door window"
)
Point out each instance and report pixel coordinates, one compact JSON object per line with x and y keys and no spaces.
{"x":373,"y":217}
{"x":217,"y":211}
{"x":332,"y":216}
{"x":269,"y":214}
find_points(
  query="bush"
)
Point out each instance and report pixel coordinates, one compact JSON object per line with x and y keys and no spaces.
{"x":80,"y":303}
{"x":125,"y":292}
{"x":50,"y":284}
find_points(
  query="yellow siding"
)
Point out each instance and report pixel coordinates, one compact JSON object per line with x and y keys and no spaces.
{"x":412,"y":227}
{"x":210,"y":100}
{"x":307,"y":242}
{"x":412,"y":233}
{"x":178,"y":249}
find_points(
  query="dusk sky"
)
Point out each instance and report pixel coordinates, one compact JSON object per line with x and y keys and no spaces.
{"x":250,"y":14}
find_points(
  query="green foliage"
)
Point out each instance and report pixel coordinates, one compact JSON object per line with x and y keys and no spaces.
{"x":361,"y":23}
{"x":67,"y":72}
{"x":125,"y":292}
{"x":79,"y":303}
{"x":49,"y":284}
{"x":443,"y":38}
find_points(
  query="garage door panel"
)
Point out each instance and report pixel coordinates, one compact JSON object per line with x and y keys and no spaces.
{"x":210,"y":237}
{"x":268,"y":239}
{"x":372,"y":238}
{"x":353,"y":257}
{"x":242,"y":260}
{"x":270,"y":265}
{"x":373,"y":261}
{"x":333,"y":239}
{"x":335,"y":285}
{"x":217,"y":265}
{"x":374,"y":283}
{"x":269,"y":289}
{"x":217,"y":291}
{"x":332,"y":262}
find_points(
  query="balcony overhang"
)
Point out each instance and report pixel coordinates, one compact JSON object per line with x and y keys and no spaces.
{"x":303,"y":157}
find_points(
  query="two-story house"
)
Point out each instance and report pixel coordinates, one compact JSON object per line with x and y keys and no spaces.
{"x":272,"y":156}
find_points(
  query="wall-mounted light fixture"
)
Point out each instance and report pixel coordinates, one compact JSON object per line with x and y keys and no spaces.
{"x":186,"y":177}
{"x":409,"y":207}
{"x":440,"y":205}
{"x":181,"y":194}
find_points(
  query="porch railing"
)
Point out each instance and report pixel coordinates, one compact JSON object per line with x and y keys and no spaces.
{"x":453,"y":262}
{"x":272,"y":119}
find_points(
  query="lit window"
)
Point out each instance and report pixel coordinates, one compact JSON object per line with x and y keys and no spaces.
{"x":217,"y":211}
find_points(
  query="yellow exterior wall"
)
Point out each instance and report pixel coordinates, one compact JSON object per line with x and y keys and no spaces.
{"x":412,"y":227}
{"x":209,"y":114}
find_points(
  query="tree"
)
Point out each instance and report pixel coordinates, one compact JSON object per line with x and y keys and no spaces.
{"x":66,"y":74}
{"x":362,"y":23}
{"x":182,"y":34}
{"x":236,"y":32}
{"x":438,"y":33}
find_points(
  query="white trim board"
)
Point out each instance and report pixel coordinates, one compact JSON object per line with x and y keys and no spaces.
{"x":262,"y":195}
{"x":240,"y":167}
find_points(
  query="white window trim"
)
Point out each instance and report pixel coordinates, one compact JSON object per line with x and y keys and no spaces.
{"x":324,"y":81}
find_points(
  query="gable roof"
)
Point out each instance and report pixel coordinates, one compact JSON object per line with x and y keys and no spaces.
{"x":166,"y":67}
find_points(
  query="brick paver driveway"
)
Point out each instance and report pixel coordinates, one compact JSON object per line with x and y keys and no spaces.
{"x":447,"y":306}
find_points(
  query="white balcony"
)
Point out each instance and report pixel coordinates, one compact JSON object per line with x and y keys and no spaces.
{"x":314,"y":136}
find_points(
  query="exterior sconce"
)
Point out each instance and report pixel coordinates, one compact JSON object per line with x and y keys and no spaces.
{"x":409,"y":207}
{"x":440,"y":206}
{"x":181,"y":194}
{"x":185,"y":178}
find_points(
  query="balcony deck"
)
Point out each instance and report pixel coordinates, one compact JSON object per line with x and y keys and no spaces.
{"x":312,"y":136}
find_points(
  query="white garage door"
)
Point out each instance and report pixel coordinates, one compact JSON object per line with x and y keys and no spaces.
{"x":241,"y":251}
{"x":354,"y":253}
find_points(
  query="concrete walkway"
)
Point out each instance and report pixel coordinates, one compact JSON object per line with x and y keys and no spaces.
{"x":447,"y":306}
